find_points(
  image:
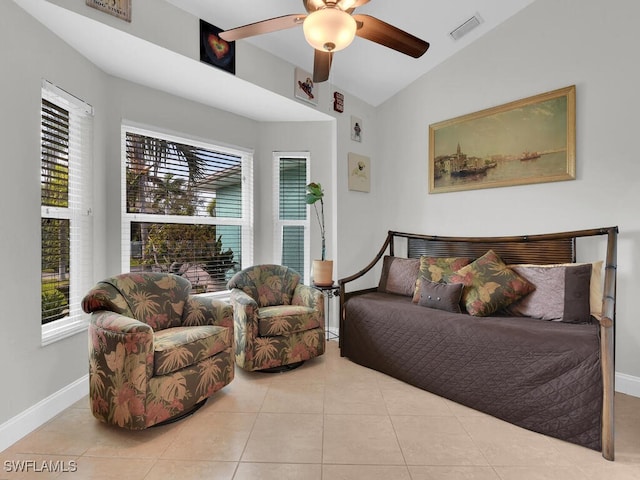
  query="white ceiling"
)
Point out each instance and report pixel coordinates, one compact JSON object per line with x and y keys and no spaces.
{"x":367,"y":70}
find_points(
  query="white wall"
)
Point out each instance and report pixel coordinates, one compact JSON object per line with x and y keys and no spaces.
{"x":313,"y":137}
{"x":549,"y":45}
{"x":360,"y":231}
{"x":30,"y":53}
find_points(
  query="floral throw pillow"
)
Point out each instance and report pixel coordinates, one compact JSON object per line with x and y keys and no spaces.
{"x":437,"y":269}
{"x":489,"y":285}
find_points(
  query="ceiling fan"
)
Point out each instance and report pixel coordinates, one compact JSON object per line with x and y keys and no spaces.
{"x":329,"y":26}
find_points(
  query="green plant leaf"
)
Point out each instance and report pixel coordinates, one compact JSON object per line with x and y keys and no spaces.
{"x":314,"y":193}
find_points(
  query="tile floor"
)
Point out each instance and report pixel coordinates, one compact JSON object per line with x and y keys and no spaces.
{"x":327,"y":420}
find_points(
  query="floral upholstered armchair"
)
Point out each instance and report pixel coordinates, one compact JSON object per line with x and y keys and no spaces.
{"x":155,"y":351}
{"x":277,"y":320}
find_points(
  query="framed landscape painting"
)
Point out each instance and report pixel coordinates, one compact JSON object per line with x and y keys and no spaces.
{"x":532,"y":140}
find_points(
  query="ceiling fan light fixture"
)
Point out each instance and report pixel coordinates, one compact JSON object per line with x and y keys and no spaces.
{"x":329,"y":29}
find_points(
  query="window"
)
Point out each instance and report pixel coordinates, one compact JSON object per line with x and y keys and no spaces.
{"x":291,"y":212}
{"x":66,"y":219}
{"x":186,"y":208}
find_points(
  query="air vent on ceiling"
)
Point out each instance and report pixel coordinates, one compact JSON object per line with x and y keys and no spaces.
{"x":466,"y":27}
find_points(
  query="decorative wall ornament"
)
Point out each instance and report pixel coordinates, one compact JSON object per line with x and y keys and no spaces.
{"x":359,"y":172}
{"x":338,"y":102}
{"x":356,"y":129}
{"x":216,"y":51}
{"x":304,"y":88}
{"x":532,"y":140}
{"x":117,"y":8}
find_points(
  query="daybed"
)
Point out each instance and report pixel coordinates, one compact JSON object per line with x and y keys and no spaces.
{"x":552,"y":374}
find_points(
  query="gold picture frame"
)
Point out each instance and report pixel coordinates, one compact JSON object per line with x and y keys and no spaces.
{"x":532,"y":140}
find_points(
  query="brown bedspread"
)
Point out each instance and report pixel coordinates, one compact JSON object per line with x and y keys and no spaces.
{"x":543,"y":376}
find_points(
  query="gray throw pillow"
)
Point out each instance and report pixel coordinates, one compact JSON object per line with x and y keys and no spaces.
{"x":562,"y":292}
{"x":399,"y":275}
{"x":442,"y":296}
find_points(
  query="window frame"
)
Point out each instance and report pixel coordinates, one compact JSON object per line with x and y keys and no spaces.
{"x":245,"y":222}
{"x":279,"y":224}
{"x":79,"y":211}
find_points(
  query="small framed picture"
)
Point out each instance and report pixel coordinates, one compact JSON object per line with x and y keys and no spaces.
{"x":117,"y":8}
{"x":216,"y":51}
{"x":356,"y":129}
{"x":359,"y":172}
{"x":304,"y":88}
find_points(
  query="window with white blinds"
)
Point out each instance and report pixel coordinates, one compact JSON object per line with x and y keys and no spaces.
{"x":66,"y":217}
{"x":186,"y":208}
{"x":291,"y":176}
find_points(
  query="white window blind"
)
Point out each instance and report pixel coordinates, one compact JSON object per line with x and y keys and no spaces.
{"x":66,"y":212}
{"x":291,"y":213}
{"x":186,"y":208}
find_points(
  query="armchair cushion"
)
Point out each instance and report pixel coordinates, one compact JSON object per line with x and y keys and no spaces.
{"x":180,"y":347}
{"x":286,"y":319}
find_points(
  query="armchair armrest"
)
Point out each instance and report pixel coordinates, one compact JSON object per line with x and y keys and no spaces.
{"x":245,"y":327}
{"x":244,"y":307}
{"x":307,"y":296}
{"x":116,"y":323}
{"x":205,"y":310}
{"x":120,"y":362}
{"x":105,"y":296}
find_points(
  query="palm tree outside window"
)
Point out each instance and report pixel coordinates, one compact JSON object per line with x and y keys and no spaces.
{"x":186,"y":208}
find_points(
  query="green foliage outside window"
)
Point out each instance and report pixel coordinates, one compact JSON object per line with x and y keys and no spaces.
{"x":54,"y":303}
{"x":170,"y":246}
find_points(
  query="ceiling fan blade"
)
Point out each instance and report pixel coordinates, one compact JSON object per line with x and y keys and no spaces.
{"x":265,"y":26}
{"x":313,"y":5}
{"x":381,"y":32}
{"x":321,"y":66}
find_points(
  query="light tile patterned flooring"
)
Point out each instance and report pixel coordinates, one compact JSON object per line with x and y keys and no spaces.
{"x":327,"y":420}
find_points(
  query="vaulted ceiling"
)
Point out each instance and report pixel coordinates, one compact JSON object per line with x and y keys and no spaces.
{"x":365,"y":69}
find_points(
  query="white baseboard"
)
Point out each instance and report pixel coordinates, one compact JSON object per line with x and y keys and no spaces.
{"x":17,"y":427}
{"x":628,"y":384}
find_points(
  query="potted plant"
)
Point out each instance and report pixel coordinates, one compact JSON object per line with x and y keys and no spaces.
{"x":323,"y":268}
